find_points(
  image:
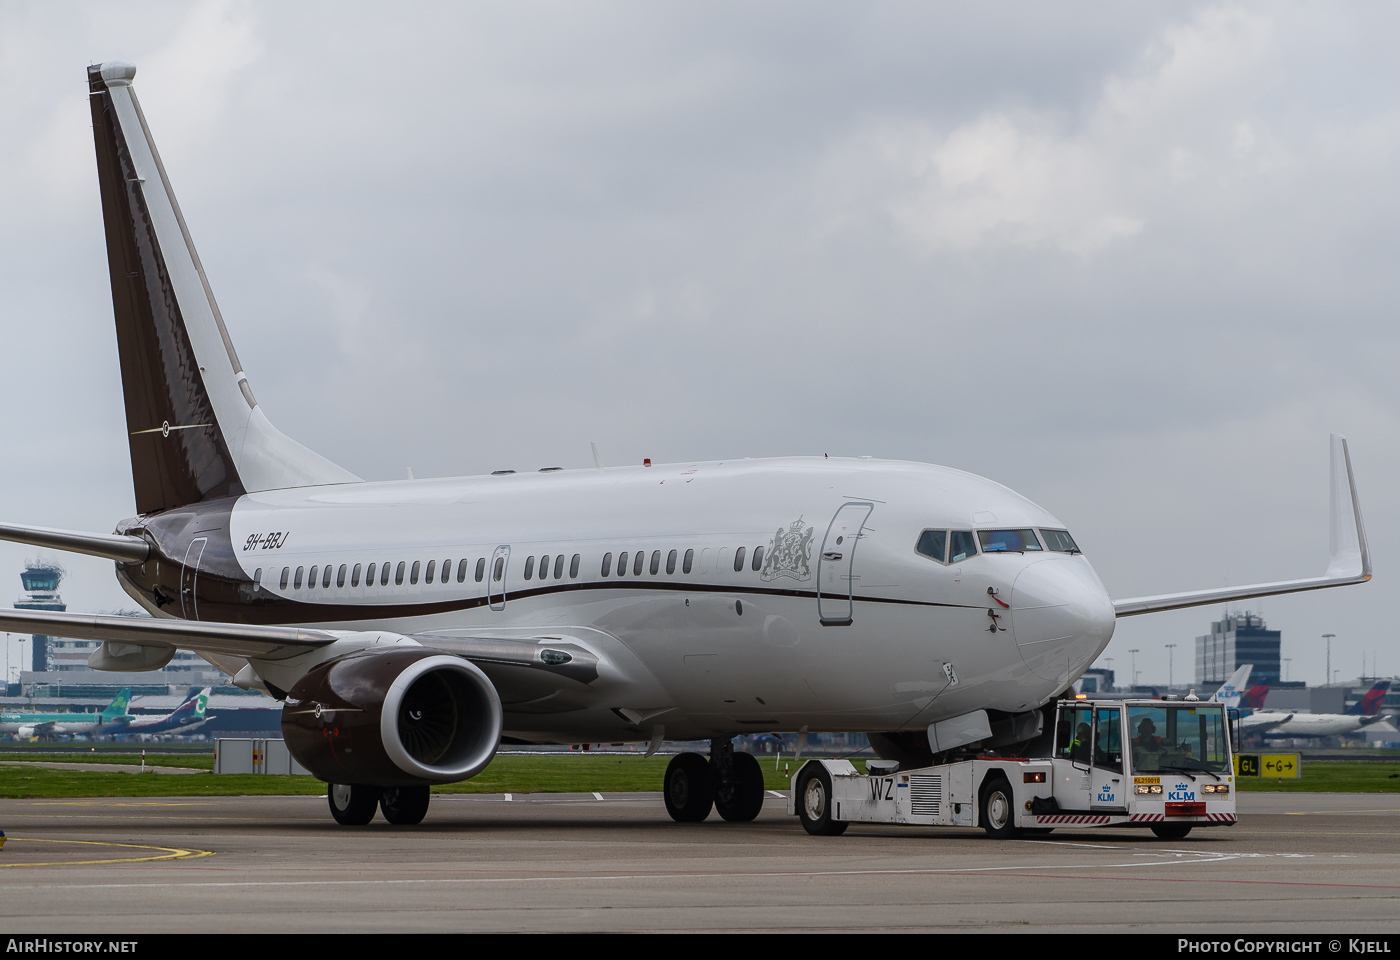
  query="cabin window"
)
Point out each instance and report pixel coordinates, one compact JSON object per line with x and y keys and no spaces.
{"x":257,"y":575}
{"x":607,"y":564}
{"x":671,"y":562}
{"x":446,"y":571}
{"x":310,"y":579}
{"x":544,"y":567}
{"x":622,"y":564}
{"x":738,"y":559}
{"x":529,"y":567}
{"x":961,"y":545}
{"x":757,"y":564}
{"x":413,"y":572}
{"x":428,"y":573}
{"x":369,"y":576}
{"x":500,"y":569}
{"x":326,"y":577}
{"x":355,"y":576}
{"x":655,"y":562}
{"x":286,"y":572}
{"x":1060,"y":541}
{"x":340,"y":576}
{"x":481,"y":570}
{"x":637,"y":561}
{"x":933,"y":544}
{"x":1008,"y":541}
{"x":384,"y":574}
{"x":462,"y":572}
{"x":398,"y":573}
{"x":296,"y":582}
{"x":559,"y":567}
{"x":689,"y":561}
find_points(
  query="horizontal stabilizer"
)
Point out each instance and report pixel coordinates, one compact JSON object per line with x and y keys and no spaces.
{"x":110,"y":546}
{"x":1350,"y":561}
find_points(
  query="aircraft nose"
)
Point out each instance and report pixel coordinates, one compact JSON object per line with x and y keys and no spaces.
{"x":1061,"y":616}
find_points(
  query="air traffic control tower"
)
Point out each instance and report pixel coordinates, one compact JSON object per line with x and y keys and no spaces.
{"x":40,"y":581}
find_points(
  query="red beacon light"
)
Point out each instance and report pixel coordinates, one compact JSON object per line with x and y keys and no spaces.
{"x":646,"y":461}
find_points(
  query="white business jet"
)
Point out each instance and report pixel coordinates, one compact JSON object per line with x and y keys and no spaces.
{"x":412,"y":626}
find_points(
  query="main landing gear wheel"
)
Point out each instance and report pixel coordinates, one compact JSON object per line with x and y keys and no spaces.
{"x":998,"y":814}
{"x":352,"y":804}
{"x":689,"y":788}
{"x":404,"y":805}
{"x":814,"y":807}
{"x":1171,"y":831}
{"x":741,"y":799}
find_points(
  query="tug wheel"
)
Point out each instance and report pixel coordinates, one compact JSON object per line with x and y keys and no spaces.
{"x":814,"y":806}
{"x":1171,"y":831}
{"x":998,"y":810}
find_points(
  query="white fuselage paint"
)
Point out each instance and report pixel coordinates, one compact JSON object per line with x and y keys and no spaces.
{"x":674,"y":649}
{"x":1304,"y":724}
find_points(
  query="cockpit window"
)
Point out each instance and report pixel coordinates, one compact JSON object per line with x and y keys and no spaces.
{"x":961,"y":545}
{"x":1008,"y":541}
{"x":1060,"y":541}
{"x":933,"y":543}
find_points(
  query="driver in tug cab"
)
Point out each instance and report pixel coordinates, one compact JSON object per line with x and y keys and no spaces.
{"x":1147,"y":739}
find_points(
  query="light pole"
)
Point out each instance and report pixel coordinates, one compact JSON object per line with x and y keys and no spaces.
{"x":1286,"y":662}
{"x":1109,"y":661}
{"x":1134,"y":674}
{"x":1328,"y":637}
{"x":1170,"y":647}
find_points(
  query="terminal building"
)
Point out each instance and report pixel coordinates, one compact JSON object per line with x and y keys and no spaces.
{"x":1238,"y":639}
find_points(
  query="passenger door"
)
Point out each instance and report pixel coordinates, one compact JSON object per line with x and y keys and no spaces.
{"x":836,"y":564}
{"x":496,"y":577}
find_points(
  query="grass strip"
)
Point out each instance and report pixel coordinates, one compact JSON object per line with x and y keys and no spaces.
{"x":1330,"y":776}
{"x":571,"y":773}
{"x":568,"y":773}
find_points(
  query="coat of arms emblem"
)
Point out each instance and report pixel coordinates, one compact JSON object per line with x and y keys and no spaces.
{"x":790,"y":553}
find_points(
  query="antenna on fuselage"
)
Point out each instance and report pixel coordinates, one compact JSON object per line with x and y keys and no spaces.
{"x":597,"y":457}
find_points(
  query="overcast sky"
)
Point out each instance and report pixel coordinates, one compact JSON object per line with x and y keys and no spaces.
{"x":1133,"y":261}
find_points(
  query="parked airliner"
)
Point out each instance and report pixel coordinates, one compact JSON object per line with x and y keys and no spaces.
{"x":1283,"y":725}
{"x":412,"y":626}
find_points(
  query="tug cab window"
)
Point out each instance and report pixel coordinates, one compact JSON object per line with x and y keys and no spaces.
{"x":1008,"y":541}
{"x":1059,"y":541}
{"x":933,"y":544}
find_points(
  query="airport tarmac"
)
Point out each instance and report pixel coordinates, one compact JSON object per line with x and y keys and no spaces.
{"x":1296,"y":863}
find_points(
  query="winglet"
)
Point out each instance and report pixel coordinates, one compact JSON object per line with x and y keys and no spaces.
{"x":1350,"y":560}
{"x":1350,"y":554}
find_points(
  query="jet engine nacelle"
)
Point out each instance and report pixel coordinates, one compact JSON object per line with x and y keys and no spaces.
{"x":400,"y":717}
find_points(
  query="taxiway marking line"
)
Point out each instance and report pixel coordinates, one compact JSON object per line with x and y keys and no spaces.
{"x":1021,"y":871}
{"x":171,"y":853}
{"x":597,"y":795}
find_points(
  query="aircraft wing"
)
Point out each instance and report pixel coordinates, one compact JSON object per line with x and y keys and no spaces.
{"x":557,"y":655}
{"x":236,"y":639}
{"x":1350,"y":561}
{"x":1263,"y":722}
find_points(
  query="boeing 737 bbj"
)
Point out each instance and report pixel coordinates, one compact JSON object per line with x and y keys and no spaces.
{"x":412,"y":626}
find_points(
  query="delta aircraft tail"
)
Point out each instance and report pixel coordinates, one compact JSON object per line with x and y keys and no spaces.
{"x":194,"y":429}
{"x":1370,"y":703}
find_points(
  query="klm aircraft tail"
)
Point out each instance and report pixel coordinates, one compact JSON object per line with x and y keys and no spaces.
{"x":194,"y":429}
{"x":117,"y":708}
{"x":1233,"y":689}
